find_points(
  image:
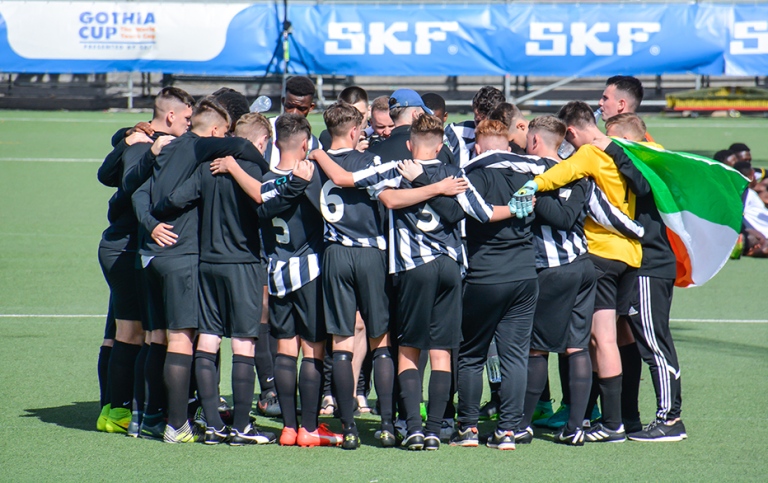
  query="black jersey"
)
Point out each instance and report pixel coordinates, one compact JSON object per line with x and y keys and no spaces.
{"x":658,"y":258}
{"x":229,"y":228}
{"x":122,"y":232}
{"x":500,"y":252}
{"x":394,"y":148}
{"x":352,"y":217}
{"x":176,"y":162}
{"x":174,"y":165}
{"x":417,"y":234}
{"x":292,"y":234}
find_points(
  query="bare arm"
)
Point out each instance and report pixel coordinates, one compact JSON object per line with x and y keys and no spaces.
{"x":403,"y":198}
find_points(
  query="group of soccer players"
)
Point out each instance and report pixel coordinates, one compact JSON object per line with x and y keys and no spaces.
{"x":391,"y":238}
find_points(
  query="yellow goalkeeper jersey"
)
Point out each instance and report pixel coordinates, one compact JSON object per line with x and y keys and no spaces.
{"x":591,"y":161}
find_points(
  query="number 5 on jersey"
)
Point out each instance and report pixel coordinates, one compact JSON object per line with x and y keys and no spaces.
{"x":428,"y":219}
{"x":332,"y":206}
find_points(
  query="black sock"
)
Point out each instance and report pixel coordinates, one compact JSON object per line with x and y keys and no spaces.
{"x":156,"y":400}
{"x":243,"y":381}
{"x":495,"y":392}
{"x":537,"y":380}
{"x":262,"y":359}
{"x":344,"y":387}
{"x":610,"y":394}
{"x":546,"y":396}
{"x":310,"y":391}
{"x":364,"y":380}
{"x":384,"y":381}
{"x":273,"y":348}
{"x":121,"y":371}
{"x":139,"y":383}
{"x":439,"y":393}
{"x":450,"y":408}
{"x":208,"y":387}
{"x":594,"y":393}
{"x":177,"y":373}
{"x":103,"y":371}
{"x":410,"y":392}
{"x":631,"y":368}
{"x":564,"y":371}
{"x":328,"y":370}
{"x":285,"y":384}
{"x":580,"y":386}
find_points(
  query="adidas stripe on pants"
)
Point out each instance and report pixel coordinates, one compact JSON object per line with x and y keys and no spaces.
{"x":654,"y":339}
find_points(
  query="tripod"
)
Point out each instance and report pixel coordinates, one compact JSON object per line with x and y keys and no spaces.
{"x":283,"y":41}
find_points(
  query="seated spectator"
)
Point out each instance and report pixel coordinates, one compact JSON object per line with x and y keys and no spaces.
{"x":726,"y":156}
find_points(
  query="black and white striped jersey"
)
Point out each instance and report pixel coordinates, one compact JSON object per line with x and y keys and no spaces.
{"x":352,"y":217}
{"x":559,"y":237}
{"x":417,"y":235}
{"x":460,"y":138}
{"x":292,"y":237}
{"x":272,"y":152}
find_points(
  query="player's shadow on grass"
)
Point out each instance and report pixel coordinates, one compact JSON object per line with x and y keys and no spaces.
{"x":79,"y":415}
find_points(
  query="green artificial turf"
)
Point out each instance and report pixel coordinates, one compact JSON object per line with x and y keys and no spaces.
{"x":51,"y":217}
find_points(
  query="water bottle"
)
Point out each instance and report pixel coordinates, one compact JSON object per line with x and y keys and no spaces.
{"x":492,"y":366}
{"x":598,"y":114}
{"x":261,"y":104}
{"x":565,"y":150}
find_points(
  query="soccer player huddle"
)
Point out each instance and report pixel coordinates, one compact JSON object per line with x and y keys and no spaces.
{"x":391,"y":239}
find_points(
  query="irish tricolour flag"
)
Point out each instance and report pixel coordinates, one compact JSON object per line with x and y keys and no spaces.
{"x":700,"y":202}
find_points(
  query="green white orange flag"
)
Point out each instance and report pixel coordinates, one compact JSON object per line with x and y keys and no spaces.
{"x":700,"y":202}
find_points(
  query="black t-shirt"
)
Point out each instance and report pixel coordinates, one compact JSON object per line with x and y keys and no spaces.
{"x":394,"y":148}
{"x":229,"y":227}
{"x":658,"y":258}
{"x":176,"y":162}
{"x":122,"y":232}
{"x":499,"y":252}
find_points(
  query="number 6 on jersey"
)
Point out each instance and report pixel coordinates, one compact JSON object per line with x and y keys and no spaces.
{"x":332,"y":206}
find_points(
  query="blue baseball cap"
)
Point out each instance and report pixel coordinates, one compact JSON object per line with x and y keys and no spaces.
{"x":407,"y":98}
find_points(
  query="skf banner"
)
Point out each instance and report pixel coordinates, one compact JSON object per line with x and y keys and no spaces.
{"x":413,"y":39}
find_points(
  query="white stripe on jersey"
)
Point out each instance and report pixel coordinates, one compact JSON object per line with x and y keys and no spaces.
{"x":294,"y":271}
{"x":611,"y":218}
{"x":314,"y":267}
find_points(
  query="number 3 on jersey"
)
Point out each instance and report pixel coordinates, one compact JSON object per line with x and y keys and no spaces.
{"x":332,"y":206}
{"x":428,"y":219}
{"x":283,"y":238}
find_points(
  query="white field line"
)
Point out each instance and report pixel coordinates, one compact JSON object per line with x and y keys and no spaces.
{"x":60,"y":119}
{"x":52,"y":160}
{"x":51,"y":316}
{"x":101,"y":316}
{"x":726,"y":321}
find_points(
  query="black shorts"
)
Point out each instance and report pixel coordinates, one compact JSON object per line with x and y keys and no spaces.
{"x":299,"y":313}
{"x":616,"y":285}
{"x":563,"y":318}
{"x":355,"y":278}
{"x":429,"y":305}
{"x":110,"y":329}
{"x":124,"y":280}
{"x":230,"y":299}
{"x":172,"y":292}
